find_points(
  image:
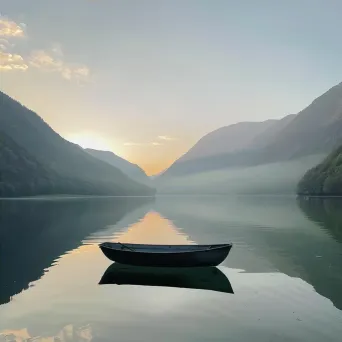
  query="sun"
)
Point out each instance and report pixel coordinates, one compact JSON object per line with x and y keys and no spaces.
{"x":90,"y":140}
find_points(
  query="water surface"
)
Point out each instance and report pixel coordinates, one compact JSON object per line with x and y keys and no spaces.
{"x":285,"y":270}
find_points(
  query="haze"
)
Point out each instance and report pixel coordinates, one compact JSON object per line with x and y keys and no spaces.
{"x":147,"y":79}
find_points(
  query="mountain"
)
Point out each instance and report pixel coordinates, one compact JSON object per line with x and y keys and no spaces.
{"x":64,"y":159}
{"x":23,"y":175}
{"x":325,"y":179}
{"x":157,"y":175}
{"x":316,"y":130}
{"x":227,"y":139}
{"x":236,"y":145}
{"x":271,"y":132}
{"x":131,"y":170}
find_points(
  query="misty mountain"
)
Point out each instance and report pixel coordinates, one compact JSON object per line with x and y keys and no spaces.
{"x":243,"y":144}
{"x":227,"y":139}
{"x":316,"y":130}
{"x":267,"y":179}
{"x":325,"y":178}
{"x":271,"y":132}
{"x":129,"y":169}
{"x":22,"y":175}
{"x":64,"y":159}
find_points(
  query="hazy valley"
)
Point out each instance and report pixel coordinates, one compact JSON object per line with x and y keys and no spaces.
{"x":268,"y":157}
{"x":170,"y":171}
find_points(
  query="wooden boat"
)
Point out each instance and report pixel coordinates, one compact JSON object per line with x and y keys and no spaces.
{"x":166,"y":255}
{"x":201,"y":278}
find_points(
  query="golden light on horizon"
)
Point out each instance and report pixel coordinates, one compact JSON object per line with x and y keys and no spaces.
{"x":153,"y":156}
{"x":90,"y":140}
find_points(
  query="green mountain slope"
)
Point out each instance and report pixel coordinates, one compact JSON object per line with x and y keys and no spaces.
{"x":325,"y":178}
{"x":65,"y":159}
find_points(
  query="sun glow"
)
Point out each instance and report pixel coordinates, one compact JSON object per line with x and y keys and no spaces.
{"x":90,"y":140}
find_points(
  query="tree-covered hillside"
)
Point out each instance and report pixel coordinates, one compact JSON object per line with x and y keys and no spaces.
{"x":324,"y":179}
{"x":23,"y":175}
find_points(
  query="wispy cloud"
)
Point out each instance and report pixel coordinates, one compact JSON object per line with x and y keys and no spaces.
{"x":132,"y":144}
{"x":81,"y":73}
{"x":154,"y":143}
{"x":165,"y":137}
{"x":51,"y":61}
{"x":43,"y":60}
{"x":5,"y":44}
{"x":10,"y":62}
{"x":9,"y":28}
{"x":57,"y":49}
{"x":47,"y":60}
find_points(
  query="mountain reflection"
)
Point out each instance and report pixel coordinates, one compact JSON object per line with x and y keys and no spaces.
{"x":201,"y":278}
{"x":68,"y":334}
{"x":327,"y":273}
{"x":269,"y":234}
{"x":326,"y":212}
{"x":35,"y":233}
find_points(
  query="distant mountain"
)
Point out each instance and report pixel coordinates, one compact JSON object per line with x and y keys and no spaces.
{"x":314,"y":131}
{"x":269,"y":134}
{"x":66,"y":160}
{"x":236,"y":145}
{"x":157,"y":175}
{"x":325,"y":178}
{"x":227,"y":139}
{"x":129,"y":169}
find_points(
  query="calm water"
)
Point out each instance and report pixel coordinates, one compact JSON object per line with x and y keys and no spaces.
{"x":285,"y":270}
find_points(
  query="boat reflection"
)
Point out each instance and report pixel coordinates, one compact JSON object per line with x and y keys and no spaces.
{"x":201,"y":278}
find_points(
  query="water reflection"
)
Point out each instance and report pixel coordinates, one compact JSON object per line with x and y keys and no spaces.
{"x":153,"y":228}
{"x":327,"y":212}
{"x":284,"y":267}
{"x":33,"y":234}
{"x":269,"y":235}
{"x":326,"y":272}
{"x":201,"y":278}
{"x":67,"y":334}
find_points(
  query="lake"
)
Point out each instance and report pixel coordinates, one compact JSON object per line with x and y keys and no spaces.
{"x":285,"y":270}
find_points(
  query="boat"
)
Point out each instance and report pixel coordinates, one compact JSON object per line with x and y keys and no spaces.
{"x":166,"y":255}
{"x":201,"y":278}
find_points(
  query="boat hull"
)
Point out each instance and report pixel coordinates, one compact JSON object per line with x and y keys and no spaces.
{"x":195,"y":258}
{"x":199,"y":278}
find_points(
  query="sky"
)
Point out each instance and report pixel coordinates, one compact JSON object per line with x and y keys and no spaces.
{"x":146,"y":79}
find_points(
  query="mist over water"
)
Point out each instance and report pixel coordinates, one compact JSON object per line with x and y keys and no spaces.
{"x":275,"y":178}
{"x":284,"y":270}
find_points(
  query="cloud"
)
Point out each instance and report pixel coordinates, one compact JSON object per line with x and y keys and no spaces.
{"x":4,"y":44}
{"x":78,"y":73}
{"x":132,"y":144}
{"x":165,"y":137}
{"x":42,"y":60}
{"x":56,"y":48}
{"x":51,"y":61}
{"x":154,"y":143}
{"x":9,"y":28}
{"x":9,"y":62}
